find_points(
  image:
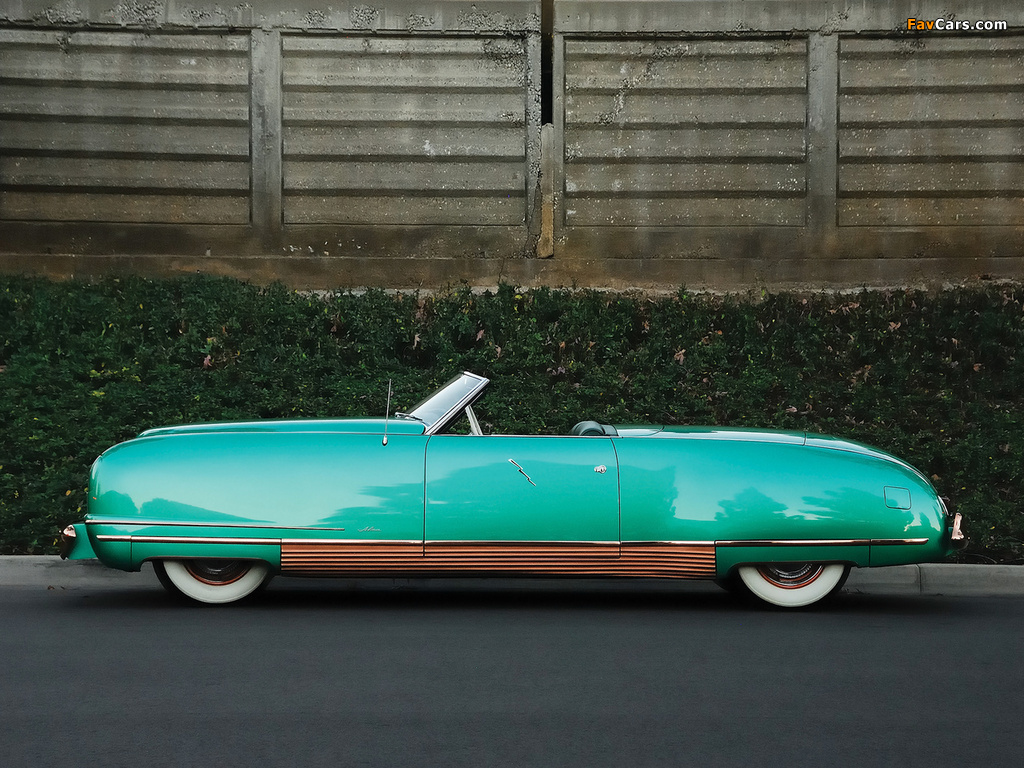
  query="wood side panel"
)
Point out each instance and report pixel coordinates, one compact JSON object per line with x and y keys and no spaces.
{"x":670,"y":560}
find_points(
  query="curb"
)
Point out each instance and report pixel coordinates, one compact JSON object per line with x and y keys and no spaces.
{"x":939,"y":579}
{"x":927,"y":579}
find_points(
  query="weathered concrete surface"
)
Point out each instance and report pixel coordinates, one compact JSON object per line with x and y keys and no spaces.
{"x":740,"y":18}
{"x":133,"y":129}
{"x":546,"y":242}
{"x":788,"y":134}
{"x":503,"y":16}
{"x":714,"y":143}
{"x":310,"y":272}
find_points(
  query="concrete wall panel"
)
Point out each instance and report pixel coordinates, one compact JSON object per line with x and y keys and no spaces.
{"x":718,"y":129}
{"x":124,"y":127}
{"x":929,"y":131}
{"x":718,"y":143}
{"x":423,"y":114}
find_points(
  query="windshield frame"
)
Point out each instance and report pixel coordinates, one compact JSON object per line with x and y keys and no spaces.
{"x":448,"y":401}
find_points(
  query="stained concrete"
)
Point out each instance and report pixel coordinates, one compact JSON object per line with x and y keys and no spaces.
{"x":714,"y":143}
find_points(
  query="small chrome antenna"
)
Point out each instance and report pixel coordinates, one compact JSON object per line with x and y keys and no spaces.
{"x":387,"y":410}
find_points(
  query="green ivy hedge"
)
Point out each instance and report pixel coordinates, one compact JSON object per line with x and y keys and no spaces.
{"x":936,"y":378}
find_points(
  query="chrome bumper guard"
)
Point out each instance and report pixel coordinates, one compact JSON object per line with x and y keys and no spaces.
{"x":66,"y":542}
{"x":957,"y":538}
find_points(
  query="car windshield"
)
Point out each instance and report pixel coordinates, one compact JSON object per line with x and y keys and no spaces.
{"x":439,"y":408}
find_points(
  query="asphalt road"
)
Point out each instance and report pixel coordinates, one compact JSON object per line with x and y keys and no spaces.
{"x":311,"y":674}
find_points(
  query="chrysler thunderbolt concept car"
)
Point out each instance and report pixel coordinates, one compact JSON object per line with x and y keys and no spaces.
{"x":221,"y":508}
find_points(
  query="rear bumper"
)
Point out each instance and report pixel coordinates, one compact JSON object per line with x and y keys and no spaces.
{"x":73,"y":543}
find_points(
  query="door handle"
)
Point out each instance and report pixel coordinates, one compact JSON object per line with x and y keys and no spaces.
{"x":522,"y":472}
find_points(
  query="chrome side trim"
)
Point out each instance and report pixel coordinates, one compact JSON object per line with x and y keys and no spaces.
{"x":734,"y":543}
{"x":819,"y":542}
{"x":417,"y":542}
{"x":540,"y":543}
{"x":795,"y":543}
{"x":144,"y":539}
{"x":896,"y":542}
{"x":268,"y":526}
{"x":154,"y":539}
{"x":667,"y":543}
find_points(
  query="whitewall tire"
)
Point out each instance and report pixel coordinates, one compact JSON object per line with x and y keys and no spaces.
{"x":793,"y":585}
{"x":213,"y":581}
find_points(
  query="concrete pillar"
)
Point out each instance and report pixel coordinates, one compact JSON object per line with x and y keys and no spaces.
{"x":822,"y":139}
{"x":533,"y":111}
{"x":265,"y":121}
{"x":546,"y":242}
{"x":557,"y":162}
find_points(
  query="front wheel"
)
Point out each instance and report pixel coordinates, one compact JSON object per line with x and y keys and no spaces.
{"x":793,"y":585}
{"x":212,"y":581}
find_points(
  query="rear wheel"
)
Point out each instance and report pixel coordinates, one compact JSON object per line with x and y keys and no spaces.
{"x":793,"y":585}
{"x":212,"y":581}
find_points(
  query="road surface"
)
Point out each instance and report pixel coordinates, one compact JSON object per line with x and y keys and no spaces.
{"x":311,"y":674}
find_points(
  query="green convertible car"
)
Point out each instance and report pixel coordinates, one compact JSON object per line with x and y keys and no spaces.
{"x":221,"y":508}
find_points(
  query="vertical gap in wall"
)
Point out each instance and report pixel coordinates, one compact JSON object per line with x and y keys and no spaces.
{"x":547,"y":13}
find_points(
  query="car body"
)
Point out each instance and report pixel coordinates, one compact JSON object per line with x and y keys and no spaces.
{"x":221,"y":508}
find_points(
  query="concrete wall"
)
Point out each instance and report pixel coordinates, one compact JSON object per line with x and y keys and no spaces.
{"x":714,"y":143}
{"x":124,"y":127}
{"x":688,"y":133}
{"x":266,"y":136}
{"x":790,"y":142}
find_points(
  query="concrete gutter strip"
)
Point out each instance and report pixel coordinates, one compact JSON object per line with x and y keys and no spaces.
{"x":51,"y":571}
{"x":928,"y":579}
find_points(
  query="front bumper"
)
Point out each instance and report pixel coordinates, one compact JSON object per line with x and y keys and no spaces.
{"x":957,"y":539}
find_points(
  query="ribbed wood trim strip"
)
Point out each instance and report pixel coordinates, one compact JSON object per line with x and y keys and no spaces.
{"x":666,"y":560}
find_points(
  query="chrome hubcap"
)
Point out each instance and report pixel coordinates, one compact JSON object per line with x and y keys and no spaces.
{"x":217,"y":571}
{"x":790,"y":575}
